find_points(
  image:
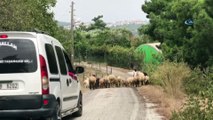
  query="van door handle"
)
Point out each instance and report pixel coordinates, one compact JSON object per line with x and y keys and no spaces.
{"x":68,"y":82}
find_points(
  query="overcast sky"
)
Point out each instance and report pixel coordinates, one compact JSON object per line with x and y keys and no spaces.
{"x":112,"y":10}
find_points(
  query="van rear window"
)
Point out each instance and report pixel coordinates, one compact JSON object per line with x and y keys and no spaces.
{"x":17,"y":56}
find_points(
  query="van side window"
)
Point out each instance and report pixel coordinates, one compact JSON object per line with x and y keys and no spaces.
{"x":61,"y":61}
{"x":51,"y":59}
{"x":69,"y":65}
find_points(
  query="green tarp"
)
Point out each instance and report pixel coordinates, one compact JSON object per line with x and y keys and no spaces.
{"x":150,"y":53}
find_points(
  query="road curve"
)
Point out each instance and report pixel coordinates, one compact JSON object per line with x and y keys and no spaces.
{"x":113,"y":104}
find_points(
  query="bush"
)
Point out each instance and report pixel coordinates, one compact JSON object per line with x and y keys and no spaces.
{"x":123,"y":57}
{"x":197,"y":82}
{"x":170,"y":76}
{"x":200,"y":103}
{"x":197,"y":108}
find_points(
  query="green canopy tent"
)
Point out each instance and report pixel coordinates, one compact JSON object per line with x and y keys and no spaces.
{"x":150,"y":52}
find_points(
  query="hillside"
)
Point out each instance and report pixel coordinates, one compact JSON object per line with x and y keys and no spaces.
{"x":133,"y":27}
{"x":63,"y":24}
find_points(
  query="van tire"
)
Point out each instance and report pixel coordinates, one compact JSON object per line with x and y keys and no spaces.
{"x":79,"y":106}
{"x":57,"y":114}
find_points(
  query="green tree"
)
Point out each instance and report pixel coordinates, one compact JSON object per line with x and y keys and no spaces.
{"x":98,"y":23}
{"x":209,"y":7}
{"x":181,"y":42}
{"x":97,"y":40}
{"x":27,"y":14}
{"x":120,"y":37}
{"x":81,"y":43}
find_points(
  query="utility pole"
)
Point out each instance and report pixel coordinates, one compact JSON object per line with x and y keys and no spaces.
{"x":72,"y":33}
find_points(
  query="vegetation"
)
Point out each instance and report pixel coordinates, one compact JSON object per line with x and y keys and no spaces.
{"x":199,"y":105}
{"x":93,"y":41}
{"x":182,"y":42}
{"x":170,"y":76}
{"x":113,"y":46}
{"x":188,"y":43}
{"x":131,"y":27}
{"x":31,"y":15}
{"x":187,"y":47}
{"x":27,"y":15}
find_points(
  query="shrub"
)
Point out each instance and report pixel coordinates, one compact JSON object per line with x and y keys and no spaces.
{"x":196,"y":83}
{"x":170,"y":76}
{"x":200,"y":103}
{"x":123,"y":57}
{"x":197,"y":108}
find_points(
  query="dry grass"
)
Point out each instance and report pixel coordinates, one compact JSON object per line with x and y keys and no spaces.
{"x":165,"y":103}
{"x":171,"y":76}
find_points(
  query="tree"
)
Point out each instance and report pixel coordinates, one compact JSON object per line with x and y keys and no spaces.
{"x":209,"y":7}
{"x":96,"y":39}
{"x":98,"y":23}
{"x":120,"y":37}
{"x":27,"y":14}
{"x":181,"y":42}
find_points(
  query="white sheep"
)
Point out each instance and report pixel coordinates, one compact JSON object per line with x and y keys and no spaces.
{"x":129,"y":81}
{"x":86,"y":83}
{"x":140,"y":77}
{"x":146,"y":79}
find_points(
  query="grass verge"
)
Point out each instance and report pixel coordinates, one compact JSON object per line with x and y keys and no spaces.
{"x":165,"y":103}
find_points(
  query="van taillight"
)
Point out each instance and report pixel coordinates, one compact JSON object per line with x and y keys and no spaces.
{"x":73,"y":76}
{"x":44,"y":75}
{"x":4,"y":36}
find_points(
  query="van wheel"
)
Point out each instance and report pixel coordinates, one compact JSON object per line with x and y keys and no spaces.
{"x":80,"y":107}
{"x":57,"y":114}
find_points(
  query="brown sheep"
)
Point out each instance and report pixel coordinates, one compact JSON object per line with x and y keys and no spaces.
{"x":101,"y":82}
{"x":123,"y":83}
{"x":106,"y":82}
{"x":112,"y":80}
{"x":118,"y":81}
{"x":129,"y":81}
{"x":92,"y":81}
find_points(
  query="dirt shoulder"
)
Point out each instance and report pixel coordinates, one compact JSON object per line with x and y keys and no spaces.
{"x":163,"y":103}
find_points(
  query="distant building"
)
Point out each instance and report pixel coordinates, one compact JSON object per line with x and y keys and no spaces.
{"x":66,"y":25}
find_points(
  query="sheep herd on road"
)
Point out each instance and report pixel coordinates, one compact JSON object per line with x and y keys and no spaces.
{"x":136,"y":80}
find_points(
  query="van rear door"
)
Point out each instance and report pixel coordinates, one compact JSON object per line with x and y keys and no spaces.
{"x":19,"y":74}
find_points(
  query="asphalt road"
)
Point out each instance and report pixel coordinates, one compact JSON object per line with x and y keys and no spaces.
{"x":114,"y":104}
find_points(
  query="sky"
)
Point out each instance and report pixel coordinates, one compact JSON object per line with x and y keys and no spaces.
{"x":112,"y":10}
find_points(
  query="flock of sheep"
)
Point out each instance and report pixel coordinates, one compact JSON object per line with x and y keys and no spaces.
{"x":136,"y":80}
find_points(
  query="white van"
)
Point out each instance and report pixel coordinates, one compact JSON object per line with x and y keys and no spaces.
{"x":37,"y":79}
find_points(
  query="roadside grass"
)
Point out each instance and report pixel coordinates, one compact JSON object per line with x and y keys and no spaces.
{"x":166,"y":104}
{"x":181,"y":93}
{"x":167,"y":90}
